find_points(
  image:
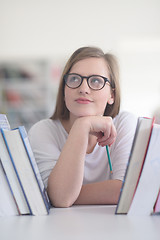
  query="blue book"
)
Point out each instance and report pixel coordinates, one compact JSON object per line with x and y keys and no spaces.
{"x":33,"y":163}
{"x":26,"y":170}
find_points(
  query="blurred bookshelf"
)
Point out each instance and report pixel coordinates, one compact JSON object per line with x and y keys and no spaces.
{"x":28,"y":90}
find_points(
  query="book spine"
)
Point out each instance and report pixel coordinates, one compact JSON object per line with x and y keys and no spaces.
{"x":3,"y":134}
{"x":34,"y":166}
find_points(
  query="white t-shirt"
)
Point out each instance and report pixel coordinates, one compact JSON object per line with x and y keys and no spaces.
{"x":47,"y":138}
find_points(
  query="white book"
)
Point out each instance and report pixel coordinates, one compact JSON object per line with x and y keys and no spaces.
{"x":34,"y":166}
{"x":12,"y":178}
{"x":149,"y":182}
{"x":135,"y":164}
{"x":24,"y":171}
{"x":7,"y":204}
{"x":4,"y":122}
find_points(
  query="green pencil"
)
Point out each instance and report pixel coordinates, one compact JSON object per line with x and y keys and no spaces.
{"x":109,"y":159}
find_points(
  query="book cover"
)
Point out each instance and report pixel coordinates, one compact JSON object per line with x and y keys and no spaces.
{"x":8,"y":205}
{"x":4,"y":122}
{"x":24,"y":171}
{"x":9,"y":170}
{"x":34,"y":166}
{"x":135,"y":164}
{"x":149,"y":181}
{"x":12,"y":175}
{"x":157,"y":204}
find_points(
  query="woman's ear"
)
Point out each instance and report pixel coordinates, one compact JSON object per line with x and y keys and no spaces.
{"x":111,"y":99}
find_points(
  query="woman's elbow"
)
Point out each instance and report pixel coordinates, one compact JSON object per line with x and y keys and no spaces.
{"x":60,"y":203}
{"x":59,"y":200}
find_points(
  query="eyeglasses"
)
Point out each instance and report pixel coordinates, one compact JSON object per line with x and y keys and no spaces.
{"x":95,"y":82}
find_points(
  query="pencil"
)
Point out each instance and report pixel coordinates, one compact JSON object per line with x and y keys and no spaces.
{"x":109,"y":159}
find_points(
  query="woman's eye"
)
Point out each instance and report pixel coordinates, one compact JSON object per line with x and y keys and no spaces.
{"x":96,"y":81}
{"x":74,"y":79}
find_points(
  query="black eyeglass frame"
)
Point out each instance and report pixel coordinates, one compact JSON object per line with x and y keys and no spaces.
{"x":85,"y":77}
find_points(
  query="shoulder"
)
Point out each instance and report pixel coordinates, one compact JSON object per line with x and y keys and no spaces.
{"x":125,"y":123}
{"x":125,"y":119}
{"x":45,"y":125}
{"x":47,"y":128}
{"x":47,"y":131}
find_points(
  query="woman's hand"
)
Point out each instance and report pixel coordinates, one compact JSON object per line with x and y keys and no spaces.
{"x":102,"y":127}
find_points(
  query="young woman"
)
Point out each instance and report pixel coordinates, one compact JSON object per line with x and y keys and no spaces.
{"x":70,"y":147}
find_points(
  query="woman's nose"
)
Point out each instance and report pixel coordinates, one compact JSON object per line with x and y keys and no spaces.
{"x":84,"y":88}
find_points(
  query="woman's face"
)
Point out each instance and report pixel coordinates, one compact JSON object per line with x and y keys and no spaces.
{"x":83,"y":101}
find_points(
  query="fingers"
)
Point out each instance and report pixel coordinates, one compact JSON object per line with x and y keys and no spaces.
{"x":109,"y":135}
{"x":103,"y":128}
{"x":99,"y":135}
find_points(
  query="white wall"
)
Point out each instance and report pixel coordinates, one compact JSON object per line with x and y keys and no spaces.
{"x":55,"y":28}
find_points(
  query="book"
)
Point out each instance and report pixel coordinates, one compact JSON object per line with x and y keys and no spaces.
{"x":8,"y":206}
{"x":24,"y":165}
{"x":149,"y":181}
{"x":156,"y":208}
{"x":13,"y":181}
{"x":8,"y":172}
{"x":4,"y":123}
{"x":34,"y":166}
{"x":135,"y":164}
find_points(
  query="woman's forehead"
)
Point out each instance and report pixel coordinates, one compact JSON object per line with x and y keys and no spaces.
{"x":90,"y":66}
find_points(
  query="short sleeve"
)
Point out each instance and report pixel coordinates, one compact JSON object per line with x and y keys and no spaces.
{"x":46,"y":143}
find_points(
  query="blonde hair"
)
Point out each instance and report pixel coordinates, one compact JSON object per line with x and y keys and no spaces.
{"x":61,"y":111}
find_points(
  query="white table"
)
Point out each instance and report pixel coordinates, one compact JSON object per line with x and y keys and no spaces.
{"x":80,"y":223}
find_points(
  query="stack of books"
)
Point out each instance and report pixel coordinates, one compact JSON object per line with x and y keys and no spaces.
{"x":140,"y":193}
{"x":21,"y":187}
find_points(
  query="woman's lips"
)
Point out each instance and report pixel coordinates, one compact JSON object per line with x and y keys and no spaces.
{"x":83,"y":100}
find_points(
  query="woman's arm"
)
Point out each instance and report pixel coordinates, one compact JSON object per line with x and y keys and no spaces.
{"x":106,"y":192}
{"x":65,"y":180}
